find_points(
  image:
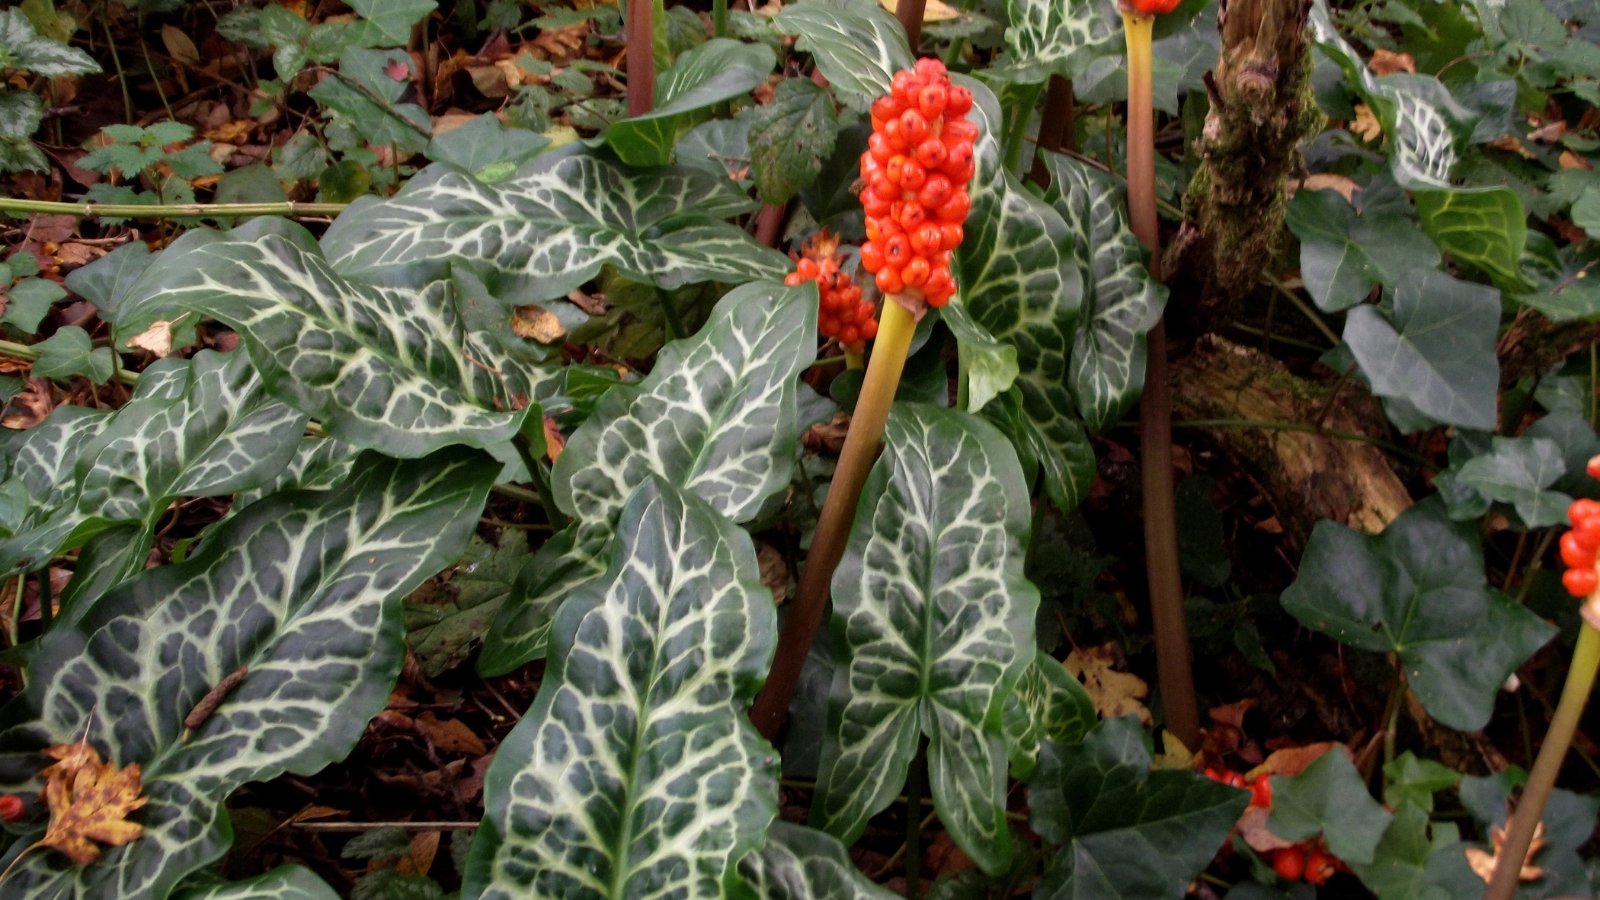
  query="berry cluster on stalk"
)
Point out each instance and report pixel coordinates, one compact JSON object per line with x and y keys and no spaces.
{"x":1578,"y":546}
{"x":843,"y":315}
{"x":914,"y":182}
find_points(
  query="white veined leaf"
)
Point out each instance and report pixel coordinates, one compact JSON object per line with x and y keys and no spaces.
{"x":933,"y":627}
{"x":301,"y":591}
{"x":1121,"y":301}
{"x":858,"y":46}
{"x":282,"y":883}
{"x":1048,"y":705}
{"x":716,"y":416}
{"x":42,"y":460}
{"x":402,"y":370}
{"x":637,"y":773}
{"x":552,"y":226}
{"x":22,"y":47}
{"x":800,"y":863}
{"x":1058,"y":37}
{"x":718,"y":70}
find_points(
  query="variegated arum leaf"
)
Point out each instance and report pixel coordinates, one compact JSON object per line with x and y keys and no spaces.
{"x":1125,"y":831}
{"x":41,"y":467}
{"x":933,"y":627}
{"x":1418,"y":590}
{"x":800,"y":863}
{"x":1121,"y":302}
{"x":637,"y":773}
{"x":989,"y":366}
{"x":1485,"y":228}
{"x":716,"y":416}
{"x":296,"y":597}
{"x":1057,"y":37}
{"x":1047,"y":705}
{"x":282,"y":883}
{"x":398,"y":369}
{"x":1433,"y":347}
{"x":552,"y":226}
{"x":1347,"y":247}
{"x":718,"y":70}
{"x":1018,"y":282}
{"x":22,"y":47}
{"x":857,"y":45}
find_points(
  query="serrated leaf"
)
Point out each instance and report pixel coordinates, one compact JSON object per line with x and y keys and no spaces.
{"x":1418,"y":590}
{"x":933,"y":627}
{"x":22,"y":47}
{"x":1125,"y":831}
{"x":282,"y":883}
{"x":20,"y":114}
{"x":716,"y":415}
{"x":69,"y":352}
{"x":1517,"y":471}
{"x":1482,"y":227}
{"x":301,"y":591}
{"x":1121,"y":302}
{"x":718,"y":70}
{"x":552,"y":227}
{"x":1052,"y":37}
{"x":1344,"y":251}
{"x":636,"y":772}
{"x":857,"y":45}
{"x":1017,"y":283}
{"x":1436,"y":350}
{"x":1586,"y":212}
{"x":1047,"y":705}
{"x":1329,"y":797}
{"x":403,"y":370}
{"x":790,"y":137}
{"x":800,"y":863}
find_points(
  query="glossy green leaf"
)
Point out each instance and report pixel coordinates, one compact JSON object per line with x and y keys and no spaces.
{"x":388,"y":23}
{"x":1125,"y":831}
{"x":1056,"y":37}
{"x":282,"y":883}
{"x":302,"y":591}
{"x":637,"y":772}
{"x":1418,"y":590}
{"x":399,"y":369}
{"x":486,"y":149}
{"x":716,"y":416}
{"x":790,"y":137}
{"x":933,"y":628}
{"x":1435,"y":349}
{"x":1345,"y":250}
{"x":69,"y":352}
{"x":1399,"y":866}
{"x":28,"y":301}
{"x":718,"y":70}
{"x":1329,"y":798}
{"x":858,"y":46}
{"x":1485,"y":228}
{"x":42,"y":460}
{"x":800,"y":863}
{"x":1048,"y":704}
{"x":1517,"y":471}
{"x":990,"y":366}
{"x":1121,"y":302}
{"x":552,"y":226}
{"x":1411,"y":780}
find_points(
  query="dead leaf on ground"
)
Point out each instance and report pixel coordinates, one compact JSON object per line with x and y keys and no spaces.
{"x":1293,"y":760}
{"x":89,"y":800}
{"x":1483,"y":862}
{"x":774,"y":572}
{"x":1388,"y":62}
{"x":1328,"y":181}
{"x":30,"y":406}
{"x":933,"y":11}
{"x":450,"y":735}
{"x":1512,"y":144}
{"x":827,"y":436}
{"x":157,"y":338}
{"x":534,"y":322}
{"x":1366,"y":124}
{"x":1114,"y":693}
{"x":424,"y":847}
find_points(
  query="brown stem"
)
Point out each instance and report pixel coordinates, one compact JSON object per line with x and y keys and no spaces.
{"x":1056,"y":124}
{"x":641,"y":58}
{"x":909,"y":12}
{"x":769,"y":224}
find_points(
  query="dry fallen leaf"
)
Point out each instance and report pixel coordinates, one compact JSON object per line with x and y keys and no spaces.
{"x":1388,"y":62}
{"x":1483,"y":862}
{"x":1366,"y":124}
{"x":450,"y":735}
{"x":534,"y":322}
{"x":1114,"y":693}
{"x":157,"y":338}
{"x":89,"y":801}
{"x":933,"y":11}
{"x":1327,"y":181}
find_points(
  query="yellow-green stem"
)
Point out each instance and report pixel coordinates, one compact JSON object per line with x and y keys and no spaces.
{"x":1173,"y":668}
{"x":895,"y":328}
{"x":169,"y":211}
{"x":854,"y":360}
{"x":1580,"y":680}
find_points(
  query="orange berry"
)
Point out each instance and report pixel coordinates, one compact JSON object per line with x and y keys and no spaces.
{"x":893,"y":136}
{"x":935,"y":192}
{"x":888,"y":279}
{"x":886,"y":108}
{"x":951,"y":235}
{"x":958,"y":103}
{"x":912,"y":176}
{"x":912,"y":216}
{"x":877,"y":148}
{"x":959,"y":131}
{"x":954,"y":210}
{"x":850,"y":334}
{"x":913,"y":127}
{"x":869,"y":329}
{"x":932,"y":154}
{"x":1289,"y":862}
{"x":916,"y":271}
{"x":1580,"y":583}
{"x":1574,"y":552}
{"x":1582,"y":509}
{"x":926,"y":237}
{"x":929,"y":68}
{"x":897,"y":249}
{"x":1593,"y":468}
{"x":1261,"y":791}
{"x":932,"y":99}
{"x":1320,"y":866}
{"x":874,"y":203}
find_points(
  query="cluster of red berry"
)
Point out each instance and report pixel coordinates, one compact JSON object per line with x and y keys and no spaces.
{"x":1307,"y":861}
{"x":915,"y":174}
{"x":1578,"y":546}
{"x":844,"y":315}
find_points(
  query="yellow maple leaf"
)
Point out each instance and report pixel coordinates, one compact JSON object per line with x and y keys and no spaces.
{"x":1114,"y":693}
{"x":89,"y":800}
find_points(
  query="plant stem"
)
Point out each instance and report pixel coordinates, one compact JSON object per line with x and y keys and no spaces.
{"x":1173,"y":666}
{"x":1017,"y":137}
{"x":853,"y":360}
{"x":719,"y":18}
{"x":1542,"y":778}
{"x":23,"y":351}
{"x":916,"y":785}
{"x":169,"y":211}
{"x":669,"y":313}
{"x":895,"y":328}
{"x":1056,"y":123}
{"x":909,"y":12}
{"x":641,"y":58}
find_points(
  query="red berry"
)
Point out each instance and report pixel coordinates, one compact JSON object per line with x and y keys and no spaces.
{"x":912,"y":216}
{"x":935,"y":192}
{"x":1261,"y":791}
{"x":1153,"y":7}
{"x":896,"y":250}
{"x":959,"y":131}
{"x":950,"y":235}
{"x":913,"y":127}
{"x":1320,"y":866}
{"x":932,"y":99}
{"x":13,"y":808}
{"x":893,"y":136}
{"x":849,"y":334}
{"x":1594,"y":461}
{"x":1289,"y":862}
{"x":903,"y":84}
{"x":955,"y":209}
{"x":1582,"y":509}
{"x":1574,"y":552}
{"x":888,"y":279}
{"x":1580,"y":583}
{"x":928,"y":68}
{"x":932,"y":154}
{"x":959,"y":102}
{"x":916,"y":271}
{"x":869,"y":329}
{"x":913,"y":176}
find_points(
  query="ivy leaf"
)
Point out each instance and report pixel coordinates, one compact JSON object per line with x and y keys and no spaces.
{"x":485,"y":149}
{"x":1485,"y":228}
{"x":1435,"y":350}
{"x":1125,"y":831}
{"x":718,"y":70}
{"x":1517,"y":471}
{"x":300,"y":591}
{"x":368,"y":97}
{"x":1329,"y":797}
{"x":857,"y":45}
{"x":716,"y":416}
{"x":800,"y":863}
{"x":1052,"y":38}
{"x":388,"y":23}
{"x":105,"y":282}
{"x":1121,"y":302}
{"x":282,"y":883}
{"x":551,"y":228}
{"x":1047,"y":705}
{"x":636,"y":771}
{"x":28,"y":301}
{"x":404,"y":370}
{"x":89,"y":801}
{"x":22,"y":47}
{"x":69,"y":352}
{"x":933,"y":627}
{"x":1418,"y":590}
{"x":444,"y":636}
{"x":790,"y":137}
{"x":1345,"y":250}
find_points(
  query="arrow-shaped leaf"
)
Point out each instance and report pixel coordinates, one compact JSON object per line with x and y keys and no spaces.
{"x":1344,"y":250}
{"x":1517,"y":471}
{"x":857,"y":45}
{"x":1048,"y":704}
{"x":282,"y":883}
{"x":717,"y":70}
{"x":1049,"y":37}
{"x":800,"y":863}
